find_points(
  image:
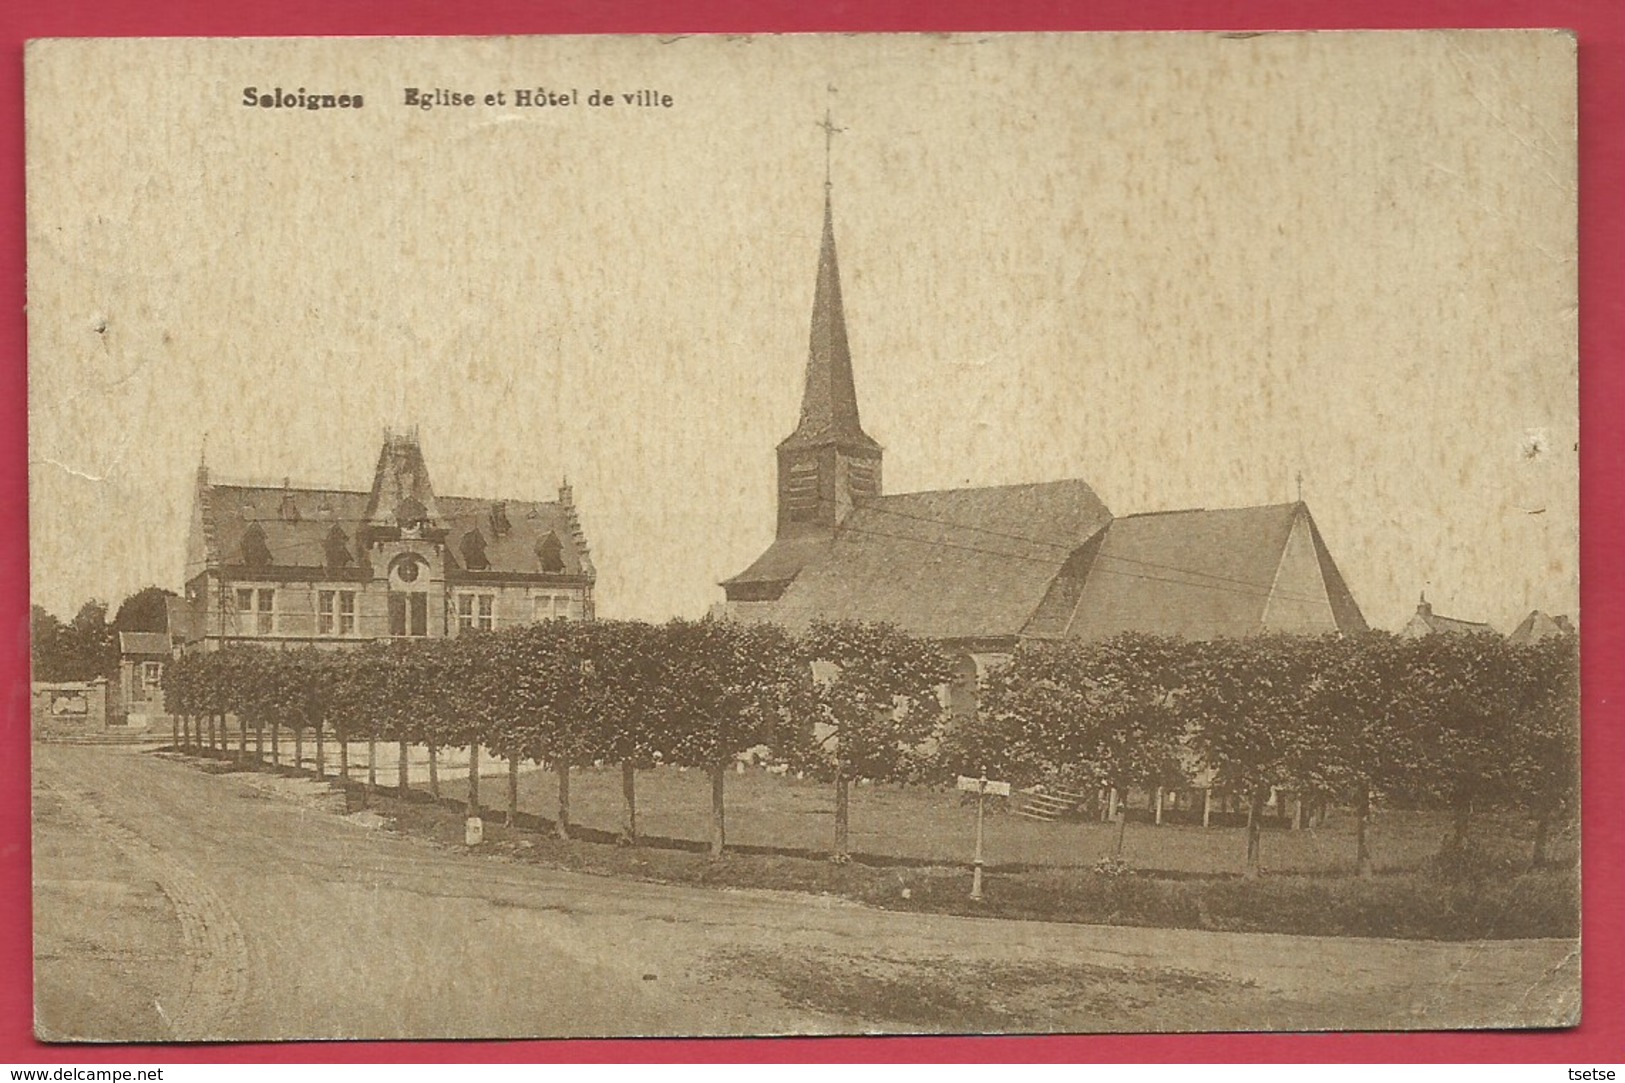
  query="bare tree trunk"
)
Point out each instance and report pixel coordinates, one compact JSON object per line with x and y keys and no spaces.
{"x":1122,"y":830}
{"x":719,"y":836}
{"x":1207,"y":806}
{"x":321,"y":751}
{"x":299,"y":747}
{"x":1255,"y":818}
{"x":174,"y":730}
{"x":843,"y":814}
{"x":402,"y":779}
{"x":372,"y":765}
{"x":276,"y":743}
{"x":1362,"y":821}
{"x":343,"y":736}
{"x":242,"y":741}
{"x":561,"y":767}
{"x":513,"y":788}
{"x":434,"y":770}
{"x":1157,"y":818}
{"x":629,"y":795}
{"x":259,"y":744}
{"x":473,"y":779}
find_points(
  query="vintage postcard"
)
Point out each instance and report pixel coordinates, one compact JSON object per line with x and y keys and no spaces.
{"x":565,"y":537}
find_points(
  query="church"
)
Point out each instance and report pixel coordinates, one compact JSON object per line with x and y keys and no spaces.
{"x":982,"y":569}
{"x":293,"y":566}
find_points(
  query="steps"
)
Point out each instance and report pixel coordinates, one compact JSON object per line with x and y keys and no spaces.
{"x":1047,"y":805}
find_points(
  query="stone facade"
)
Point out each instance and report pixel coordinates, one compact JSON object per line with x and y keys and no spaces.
{"x":334,"y":567}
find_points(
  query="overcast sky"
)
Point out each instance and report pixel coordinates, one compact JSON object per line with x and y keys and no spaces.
{"x":1183,"y":268}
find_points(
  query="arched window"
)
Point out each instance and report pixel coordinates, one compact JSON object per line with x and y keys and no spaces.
{"x":551,"y":553}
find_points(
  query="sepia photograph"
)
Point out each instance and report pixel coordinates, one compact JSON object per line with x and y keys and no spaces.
{"x":573,"y":537}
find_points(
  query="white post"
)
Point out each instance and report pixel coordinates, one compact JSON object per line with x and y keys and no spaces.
{"x":1111,"y":804}
{"x":1207,"y":805}
{"x":976,"y":874}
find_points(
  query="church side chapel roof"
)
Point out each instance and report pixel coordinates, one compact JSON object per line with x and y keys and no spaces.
{"x":1204,"y":574}
{"x":782,"y":561}
{"x":957,"y":563}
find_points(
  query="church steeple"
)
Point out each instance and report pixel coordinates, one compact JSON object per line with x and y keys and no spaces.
{"x":829,"y":401}
{"x":828,"y":463}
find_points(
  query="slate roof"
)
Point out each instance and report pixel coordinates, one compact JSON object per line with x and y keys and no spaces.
{"x":1450,"y":625}
{"x":1426,"y":622}
{"x":144,"y":643}
{"x":782,"y":561}
{"x":516,"y":549}
{"x":951,"y":564}
{"x":1537,"y":626}
{"x":298,"y":522}
{"x":1199,"y":573}
{"x":829,"y":403}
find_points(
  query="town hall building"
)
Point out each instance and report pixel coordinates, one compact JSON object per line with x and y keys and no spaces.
{"x":981,"y":569}
{"x":289,"y":566}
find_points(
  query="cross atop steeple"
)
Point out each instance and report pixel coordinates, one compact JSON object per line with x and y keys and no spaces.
{"x":830,"y":131}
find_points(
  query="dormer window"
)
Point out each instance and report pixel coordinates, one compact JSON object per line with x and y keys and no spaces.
{"x":337,"y":548}
{"x":289,"y":511}
{"x":551,"y":553}
{"x":499,"y":518}
{"x":473,"y":548}
{"x":256,"y":551}
{"x":410,"y":515}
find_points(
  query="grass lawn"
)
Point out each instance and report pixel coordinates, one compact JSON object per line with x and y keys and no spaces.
{"x":916,"y":842}
{"x":893,"y":824}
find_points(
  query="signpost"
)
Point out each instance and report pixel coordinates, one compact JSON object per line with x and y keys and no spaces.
{"x":981,"y":787}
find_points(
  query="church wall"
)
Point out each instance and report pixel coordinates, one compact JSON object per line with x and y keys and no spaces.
{"x":1298,"y":601}
{"x":749,"y":612}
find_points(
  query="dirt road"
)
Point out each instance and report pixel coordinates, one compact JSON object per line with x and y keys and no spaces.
{"x":176,"y":904}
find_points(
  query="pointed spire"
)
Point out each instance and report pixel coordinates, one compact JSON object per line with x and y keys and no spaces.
{"x":829,"y":403}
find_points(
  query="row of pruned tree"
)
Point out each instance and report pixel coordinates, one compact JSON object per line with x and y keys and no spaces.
{"x":1461,"y":722}
{"x":1450,"y":722}
{"x":845,"y":701}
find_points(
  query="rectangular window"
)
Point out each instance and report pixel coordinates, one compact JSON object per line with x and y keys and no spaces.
{"x":476,"y":612}
{"x":409,"y":614}
{"x":152,"y":674}
{"x":553,"y":607}
{"x":335,"y":612}
{"x":260,"y":605}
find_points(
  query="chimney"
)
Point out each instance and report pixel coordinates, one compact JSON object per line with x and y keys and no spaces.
{"x":566,"y":493}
